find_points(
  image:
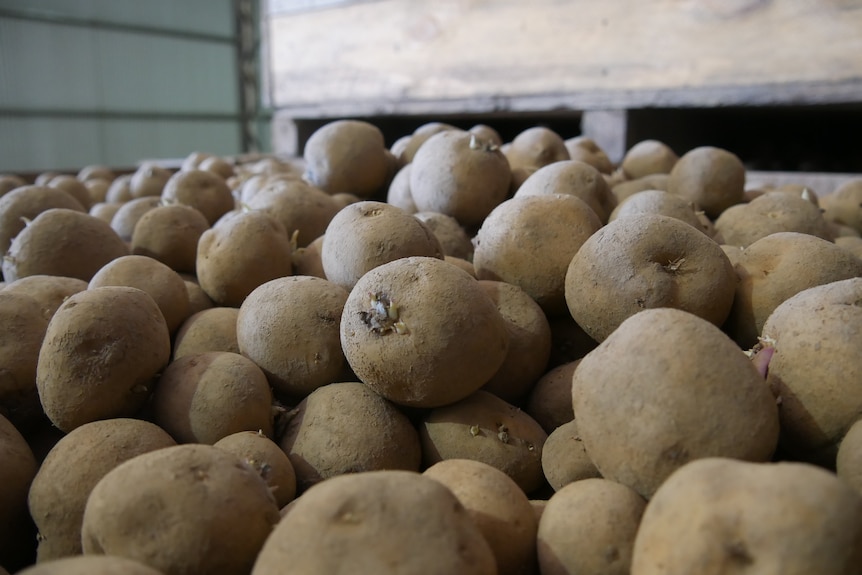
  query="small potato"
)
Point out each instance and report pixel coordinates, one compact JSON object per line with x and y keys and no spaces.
{"x":17,"y":472}
{"x":159,"y":281}
{"x":63,"y":242}
{"x":148,"y":180}
{"x":564,"y":457}
{"x":96,"y":172}
{"x":347,"y":156}
{"x":569,"y":341}
{"x":844,"y":205}
{"x":198,"y":299}
{"x":308,"y":261}
{"x":23,"y":204}
{"x":211,"y":329}
{"x":265,"y":457}
{"x":290,"y":328}
{"x":658,"y":202}
{"x":648,"y":157}
{"x":199,"y":189}
{"x":170,"y":234}
{"x":485,"y":428}
{"x":487,"y":133}
{"x":9,"y":182}
{"x":204,"y":397}
{"x":303,"y":210}
{"x":218,"y":166}
{"x":848,"y":462}
{"x":347,"y":428}
{"x":711,"y":178}
{"x":667,"y":387}
{"x":642,"y":262}
{"x":130,"y":213}
{"x":536,"y":147}
{"x":407,"y":151}
{"x":850,"y":243}
{"x":49,"y":291}
{"x":726,"y":516}
{"x":24,"y":327}
{"x":379,"y":523}
{"x":184,"y":509}
{"x":101,"y":352}
{"x":426,"y":304}
{"x":98,"y":190}
{"x":584,"y":149}
{"x":73,"y":186}
{"x":91,"y":565}
{"x":573,"y":178}
{"x":120,"y":190}
{"x":624,"y":189}
{"x":550,"y":401}
{"x":368,"y":234}
{"x":454,"y":240}
{"x":589,"y":526}
{"x":72,"y":468}
{"x":105,"y":211}
{"x":399,"y":194}
{"x":773,"y":212}
{"x":497,"y":506}
{"x":463,"y":264}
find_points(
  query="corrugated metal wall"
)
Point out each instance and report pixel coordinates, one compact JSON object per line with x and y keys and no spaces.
{"x":116,"y":81}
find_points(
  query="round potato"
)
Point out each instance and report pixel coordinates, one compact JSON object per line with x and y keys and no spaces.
{"x":773,"y":212}
{"x":148,"y":180}
{"x":96,"y":172}
{"x":267,"y":458}
{"x":130,"y":213}
{"x":726,"y":516}
{"x":198,"y":299}
{"x":844,"y":205}
{"x":303,"y":210}
{"x":648,"y":157}
{"x":536,"y":147}
{"x":711,"y":178}
{"x":564,"y":458}
{"x":105,"y":211}
{"x":308,"y":261}
{"x":74,"y":187}
{"x":23,"y":204}
{"x":17,"y":472}
{"x":218,"y":166}
{"x":487,"y":133}
{"x":120,"y":190}
{"x":399,"y":194}
{"x":624,"y":189}
{"x":584,"y":149}
{"x":426,"y":304}
{"x":170,"y":234}
{"x":205,"y":191}
{"x":569,"y":341}
{"x":212,"y":329}
{"x":665,"y":388}
{"x":848,"y":462}
{"x":91,"y":565}
{"x":406,"y":151}
{"x":550,"y":401}
{"x":49,"y":291}
{"x":24,"y":327}
{"x":454,"y":240}
{"x":183,"y":509}
{"x":9,"y":182}
{"x":573,"y":178}
{"x":658,"y":202}
{"x":378,"y":523}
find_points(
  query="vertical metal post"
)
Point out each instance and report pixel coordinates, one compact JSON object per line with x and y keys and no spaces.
{"x":246,"y":49}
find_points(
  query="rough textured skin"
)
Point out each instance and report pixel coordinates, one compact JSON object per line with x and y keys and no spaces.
{"x":711,"y":178}
{"x":101,"y":352}
{"x":535,"y":148}
{"x":485,"y":428}
{"x":24,"y":328}
{"x":377,"y":523}
{"x":9,"y":182}
{"x":91,"y":565}
{"x":648,"y":157}
{"x":302,"y":209}
{"x":773,"y":212}
{"x":421,"y":332}
{"x":589,"y":527}
{"x":453,"y":238}
{"x":529,"y":242}
{"x":625,"y":189}
{"x":643,"y":262}
{"x":130,"y":213}
{"x":572,"y":178}
{"x":267,"y":458}
{"x":346,"y":428}
{"x":844,"y":205}
{"x":777,"y":267}
{"x":406,"y":150}
{"x":584,"y":149}
{"x":458,"y":174}
{"x":16,"y":473}
{"x":658,"y":202}
{"x":25,"y":203}
{"x":497,"y":506}
{"x":308,"y":261}
{"x":211,"y":329}
{"x":564,"y":458}
{"x":369,"y":234}
{"x":290,"y":328}
{"x":74,"y":187}
{"x":120,"y":190}
{"x":817,"y":367}
{"x":163,"y":284}
{"x":198,"y":299}
{"x":347,"y":156}
{"x":72,"y":468}
{"x":240,"y":254}
{"x":665,"y":388}
{"x":205,"y":191}
{"x":170,"y":234}
{"x":204,"y":397}
{"x":529,"y":341}
{"x":49,"y":291}
{"x":148,"y":181}
{"x":848,"y":462}
{"x":189,"y":509}
{"x":550,"y":401}
{"x":721,"y":516}
{"x":399,"y":194}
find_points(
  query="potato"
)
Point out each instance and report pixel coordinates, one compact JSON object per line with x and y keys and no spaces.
{"x":658,"y":202}
{"x":9,"y":182}
{"x":25,"y":203}
{"x":368,"y":234}
{"x":529,"y":341}
{"x":624,"y":189}
{"x":101,"y":352}
{"x":779,"y":266}
{"x":211,"y":329}
{"x":193,"y":160}
{"x":120,"y":190}
{"x":218,"y":166}
{"x":648,"y":157}
{"x":238,"y":255}
{"x":303,"y":210}
{"x":665,"y":388}
{"x":407,"y":150}
{"x":773,"y":212}
{"x":564,"y":458}
{"x":290,"y":328}
{"x":148,"y":180}
{"x":643,"y":262}
{"x":198,"y":299}
{"x":536,"y":147}
{"x":550,"y":401}
{"x":724,"y":516}
{"x":347,"y":156}
{"x":347,"y":428}
{"x":844,"y":205}
{"x":48,"y":291}
{"x":98,"y":190}
{"x":308,"y":261}
{"x":204,"y":397}
{"x":105,"y":211}
{"x":569,"y":341}
{"x":267,"y":458}
{"x":816,"y":367}
{"x":572,"y":178}
{"x":487,"y":133}
{"x":529,"y":242}
{"x":73,"y":467}
{"x":458,"y":174}
{"x":589,"y":526}
{"x":184,"y":509}
{"x":160,"y":282}
{"x":848,"y":462}
{"x":377,"y":523}
{"x":199,"y":189}
{"x":584,"y":149}
{"x":497,"y":506}
{"x":62,"y":242}
{"x":711,"y":178}
{"x":91,"y":565}
{"x":851,"y":244}
{"x":72,"y":186}
{"x":170,"y":234}
{"x":24,"y":327}
{"x":130,"y":213}
{"x":16,"y":473}
{"x":96,"y":172}
{"x":399,"y":194}
{"x":485,"y":428}
{"x":454,"y":240}
{"x":426,"y":304}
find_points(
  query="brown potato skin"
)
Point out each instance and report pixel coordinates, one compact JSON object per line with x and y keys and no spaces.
{"x":574,"y":178}
{"x":308,"y":261}
{"x":205,"y":191}
{"x":170,"y":234}
{"x":584,"y":149}
{"x":72,"y":468}
{"x":90,"y":565}
{"x":843,"y":205}
{"x":148,"y":181}
{"x":658,"y":202}
{"x":536,"y":147}
{"x":74,"y":187}
{"x":265,"y":457}
{"x":627,"y":188}
{"x":17,"y":472}
{"x":564,"y":457}
{"x":773,"y":212}
{"x":303,"y":210}
{"x":347,"y":156}
{"x":27,"y":202}
{"x":398,"y":194}
{"x":454,"y":240}
{"x":848,"y":462}
{"x":24,"y":327}
{"x":721,"y":515}
{"x":130,"y":213}
{"x":712,"y":178}
{"x":212,"y":329}
{"x":648,"y":157}
{"x":550,"y":402}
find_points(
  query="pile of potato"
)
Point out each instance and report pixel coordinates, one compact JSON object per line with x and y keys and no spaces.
{"x":456,"y":355}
